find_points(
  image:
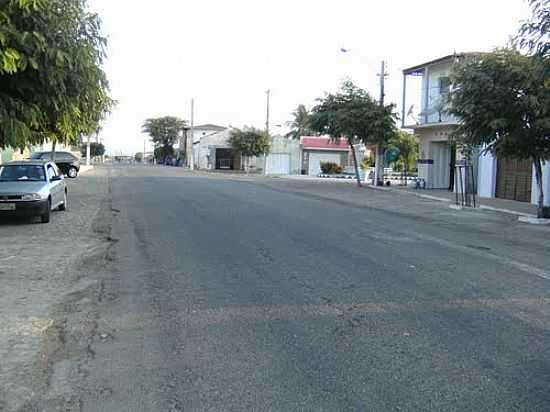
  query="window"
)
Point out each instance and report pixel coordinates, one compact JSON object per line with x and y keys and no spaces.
{"x":51,"y":173}
{"x":21,"y":173}
{"x":444,"y":85}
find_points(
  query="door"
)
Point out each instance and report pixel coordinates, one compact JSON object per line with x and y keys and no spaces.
{"x":441,"y":170}
{"x":315,"y":160}
{"x":514,"y":179}
{"x":278,"y":164}
{"x":56,"y":189}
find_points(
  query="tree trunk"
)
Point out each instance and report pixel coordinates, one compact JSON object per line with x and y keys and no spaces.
{"x":54,"y":143}
{"x":356,"y":166}
{"x":540,"y":200}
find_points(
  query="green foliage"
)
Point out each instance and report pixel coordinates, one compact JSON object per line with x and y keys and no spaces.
{"x":503,"y":101}
{"x":96,"y":149}
{"x":331,"y":168}
{"x":138,"y":157}
{"x":164,"y":133}
{"x":301,"y":125}
{"x":51,"y":82}
{"x":352,"y":113}
{"x":250,"y":142}
{"x":534,"y":34}
{"x":406,"y":145}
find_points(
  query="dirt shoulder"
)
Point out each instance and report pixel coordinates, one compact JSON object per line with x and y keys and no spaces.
{"x":42,"y":272}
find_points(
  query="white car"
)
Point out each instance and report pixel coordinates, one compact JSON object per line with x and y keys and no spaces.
{"x":31,"y":188}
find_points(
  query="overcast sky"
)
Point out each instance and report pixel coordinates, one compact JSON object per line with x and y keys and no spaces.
{"x":226,"y":53}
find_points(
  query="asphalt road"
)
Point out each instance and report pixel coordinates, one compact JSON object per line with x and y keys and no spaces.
{"x":233,"y":294}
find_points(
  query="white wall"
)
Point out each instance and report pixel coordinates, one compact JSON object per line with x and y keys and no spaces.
{"x":487,"y":175}
{"x":426,"y":151}
{"x":545,"y":185}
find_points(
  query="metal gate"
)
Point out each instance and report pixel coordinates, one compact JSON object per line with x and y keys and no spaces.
{"x":514,"y":179}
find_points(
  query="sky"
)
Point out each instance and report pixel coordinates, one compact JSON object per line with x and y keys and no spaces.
{"x":225,"y":54}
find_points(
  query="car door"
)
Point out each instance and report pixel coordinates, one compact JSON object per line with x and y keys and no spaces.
{"x":56,"y":186}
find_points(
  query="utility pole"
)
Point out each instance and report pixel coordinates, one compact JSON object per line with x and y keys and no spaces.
{"x":268,"y":93}
{"x":143,"y":157}
{"x":379,"y":167}
{"x":190,"y":153}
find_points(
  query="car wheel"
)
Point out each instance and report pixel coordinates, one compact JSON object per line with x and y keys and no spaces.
{"x":45,"y":218}
{"x":72,"y":173}
{"x":64,"y":205}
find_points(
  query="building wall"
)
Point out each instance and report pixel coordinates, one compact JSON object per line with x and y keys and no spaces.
{"x":545,"y":186}
{"x":487,"y":175}
{"x":205,"y":151}
{"x":487,"y":179}
{"x":426,"y":138}
{"x":287,"y":146}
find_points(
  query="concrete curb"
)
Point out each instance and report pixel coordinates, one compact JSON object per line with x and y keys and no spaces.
{"x":85,"y":169}
{"x":527,"y":216}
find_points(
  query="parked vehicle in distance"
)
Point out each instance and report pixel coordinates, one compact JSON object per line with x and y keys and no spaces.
{"x":67,"y":162}
{"x":31,"y":188}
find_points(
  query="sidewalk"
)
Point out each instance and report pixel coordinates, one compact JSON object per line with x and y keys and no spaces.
{"x":494,"y":204}
{"x":497,"y":205}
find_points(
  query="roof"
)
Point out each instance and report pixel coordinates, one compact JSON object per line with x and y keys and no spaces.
{"x":324,"y":143}
{"x":444,"y":59}
{"x":210,"y":127}
{"x":31,"y":162}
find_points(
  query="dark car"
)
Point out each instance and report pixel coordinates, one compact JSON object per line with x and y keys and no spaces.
{"x":67,"y":162}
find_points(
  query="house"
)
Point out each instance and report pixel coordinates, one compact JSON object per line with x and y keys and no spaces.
{"x":213,"y":152}
{"x":426,"y":86}
{"x":425,"y":89}
{"x":317,"y":149}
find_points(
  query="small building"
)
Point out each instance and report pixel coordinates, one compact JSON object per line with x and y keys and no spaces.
{"x":284,"y":158}
{"x":213,"y":152}
{"x":317,"y":149}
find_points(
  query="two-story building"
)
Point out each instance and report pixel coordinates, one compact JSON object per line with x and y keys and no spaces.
{"x":425,"y":90}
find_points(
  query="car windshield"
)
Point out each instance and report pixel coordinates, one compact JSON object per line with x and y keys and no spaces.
{"x":22,"y":173}
{"x":36,"y":155}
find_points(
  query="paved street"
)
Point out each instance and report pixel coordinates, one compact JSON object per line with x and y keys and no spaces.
{"x":231,"y":293}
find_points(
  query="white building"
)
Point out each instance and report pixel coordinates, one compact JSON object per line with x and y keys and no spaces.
{"x":425,"y":88}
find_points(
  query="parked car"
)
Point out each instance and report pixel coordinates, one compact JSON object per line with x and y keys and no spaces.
{"x":67,"y":162}
{"x":31,"y":188}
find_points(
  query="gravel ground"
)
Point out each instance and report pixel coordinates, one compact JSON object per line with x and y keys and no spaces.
{"x":41,"y":268}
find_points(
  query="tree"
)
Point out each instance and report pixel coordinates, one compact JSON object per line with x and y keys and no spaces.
{"x":164,"y":133}
{"x":353,"y":114}
{"x":249,"y":142}
{"x":52,"y":86}
{"x":96,"y":149}
{"x":138,"y":157}
{"x":503,"y":101}
{"x":301,"y":125}
{"x":534,"y":34}
{"x":406,"y":146}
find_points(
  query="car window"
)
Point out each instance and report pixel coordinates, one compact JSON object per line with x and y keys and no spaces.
{"x":51,"y":172}
{"x":22,"y":173}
